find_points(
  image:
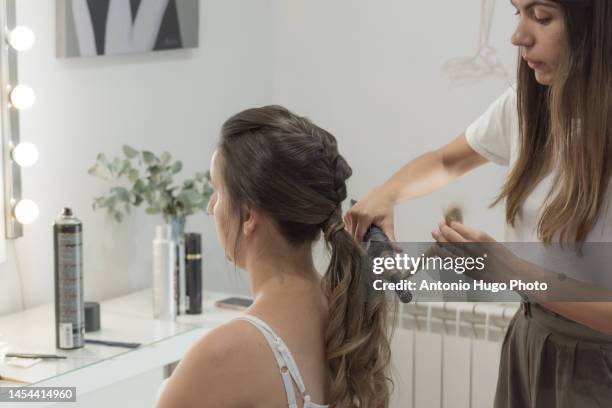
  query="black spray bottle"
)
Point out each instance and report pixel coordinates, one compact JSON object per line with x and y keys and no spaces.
{"x":69,"y":305}
{"x":193,"y":272}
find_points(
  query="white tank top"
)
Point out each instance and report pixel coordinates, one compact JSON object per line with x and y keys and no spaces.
{"x":288,"y":368}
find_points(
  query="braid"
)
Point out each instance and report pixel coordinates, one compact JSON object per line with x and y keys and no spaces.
{"x":333,"y":224}
{"x":340,"y":171}
{"x":339,"y":168}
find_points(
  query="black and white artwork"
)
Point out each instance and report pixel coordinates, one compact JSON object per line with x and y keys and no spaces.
{"x":485,"y":61}
{"x":106,"y":27}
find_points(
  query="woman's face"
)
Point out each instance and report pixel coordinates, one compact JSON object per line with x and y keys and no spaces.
{"x":218,"y":206}
{"x":540,"y":34}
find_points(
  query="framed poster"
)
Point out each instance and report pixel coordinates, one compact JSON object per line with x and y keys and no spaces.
{"x":107,"y":27}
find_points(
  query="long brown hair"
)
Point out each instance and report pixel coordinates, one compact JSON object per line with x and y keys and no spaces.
{"x":291,"y":170}
{"x":567,"y":126}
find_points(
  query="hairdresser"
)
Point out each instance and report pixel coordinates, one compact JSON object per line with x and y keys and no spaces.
{"x":554,"y":132}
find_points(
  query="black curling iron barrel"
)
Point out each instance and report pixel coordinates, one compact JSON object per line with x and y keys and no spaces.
{"x":377,"y":245}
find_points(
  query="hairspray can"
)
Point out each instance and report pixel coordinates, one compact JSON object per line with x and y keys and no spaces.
{"x":69,"y":305}
{"x":193,"y":272}
{"x":164,"y":278}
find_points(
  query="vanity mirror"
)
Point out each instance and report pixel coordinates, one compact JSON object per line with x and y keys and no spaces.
{"x":14,"y":97}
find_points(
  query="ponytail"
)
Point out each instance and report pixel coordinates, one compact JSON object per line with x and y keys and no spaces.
{"x":358,"y":350}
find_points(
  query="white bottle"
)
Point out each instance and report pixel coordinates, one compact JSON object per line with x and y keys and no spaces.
{"x":164,"y":282}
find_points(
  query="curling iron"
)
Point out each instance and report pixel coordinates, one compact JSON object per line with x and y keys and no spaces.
{"x":377,"y":244}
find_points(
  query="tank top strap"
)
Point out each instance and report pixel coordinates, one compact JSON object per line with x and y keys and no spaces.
{"x":286,"y":363}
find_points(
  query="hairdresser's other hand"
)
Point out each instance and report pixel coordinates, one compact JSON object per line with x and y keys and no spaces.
{"x":458,"y":232}
{"x":377,"y":208}
{"x":458,"y":240}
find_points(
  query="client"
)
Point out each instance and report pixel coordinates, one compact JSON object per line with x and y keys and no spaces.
{"x":307,"y":340}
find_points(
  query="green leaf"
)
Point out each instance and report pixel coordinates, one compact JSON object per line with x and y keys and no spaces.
{"x":101,"y":171}
{"x":133,"y":175}
{"x":206,"y":193}
{"x":166,"y":157}
{"x":101,"y":157}
{"x":124,"y":168}
{"x":189,"y":197}
{"x":129,"y":152}
{"x":116,"y":166}
{"x":163,"y":201}
{"x":139,"y":186}
{"x":155,"y":169}
{"x":111,"y":202}
{"x":121,"y":193}
{"x":148,"y":157}
{"x":118,"y":217}
{"x":147,"y":194}
{"x":154,"y":181}
{"x":152,"y":210}
{"x":177,"y":166}
{"x":99,"y":202}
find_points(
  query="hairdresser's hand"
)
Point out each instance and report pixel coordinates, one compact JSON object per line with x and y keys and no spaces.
{"x":458,"y":232}
{"x":458,"y":240}
{"x":375,"y":208}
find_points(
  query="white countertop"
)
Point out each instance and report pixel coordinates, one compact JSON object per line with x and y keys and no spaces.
{"x":127,"y":318}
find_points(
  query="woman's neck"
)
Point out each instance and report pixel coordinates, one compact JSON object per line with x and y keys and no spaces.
{"x":282,"y":272}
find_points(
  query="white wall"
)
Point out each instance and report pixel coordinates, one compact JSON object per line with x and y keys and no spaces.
{"x":370,"y":72}
{"x":171,"y":100}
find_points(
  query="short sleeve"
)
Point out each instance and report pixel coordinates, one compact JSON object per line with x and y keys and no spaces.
{"x":492,"y":133}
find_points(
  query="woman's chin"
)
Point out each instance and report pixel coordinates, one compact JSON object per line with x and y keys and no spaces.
{"x":543,"y":78}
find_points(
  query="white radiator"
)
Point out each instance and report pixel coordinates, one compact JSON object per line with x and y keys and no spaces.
{"x":447,"y":354}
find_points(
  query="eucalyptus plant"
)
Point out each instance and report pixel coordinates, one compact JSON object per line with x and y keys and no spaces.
{"x":145,"y":179}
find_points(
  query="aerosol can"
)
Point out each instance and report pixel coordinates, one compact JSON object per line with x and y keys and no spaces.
{"x":69,"y":305}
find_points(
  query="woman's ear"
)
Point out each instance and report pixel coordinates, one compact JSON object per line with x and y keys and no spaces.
{"x":250,"y":222}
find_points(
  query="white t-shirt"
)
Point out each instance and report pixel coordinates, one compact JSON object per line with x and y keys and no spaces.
{"x":495,"y":136}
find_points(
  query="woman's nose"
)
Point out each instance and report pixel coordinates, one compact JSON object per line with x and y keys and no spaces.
{"x":521,"y":37}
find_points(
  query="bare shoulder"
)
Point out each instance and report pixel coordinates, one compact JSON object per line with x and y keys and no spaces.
{"x":220,"y":369}
{"x":228,"y":344}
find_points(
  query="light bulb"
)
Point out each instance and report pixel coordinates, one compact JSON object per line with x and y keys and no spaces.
{"x":22,"y":97}
{"x":25,"y":154}
{"x":26,"y":211}
{"x":21,"y":38}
